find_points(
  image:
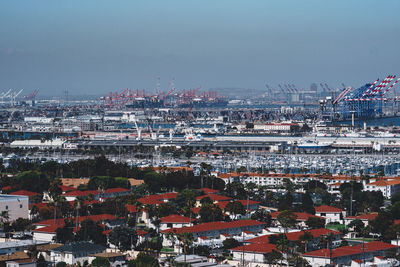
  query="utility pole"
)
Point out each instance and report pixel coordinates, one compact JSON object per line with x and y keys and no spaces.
{"x":351,"y":197}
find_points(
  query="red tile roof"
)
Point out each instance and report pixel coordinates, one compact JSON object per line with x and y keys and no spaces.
{"x":49,"y":229}
{"x":293,"y":236}
{"x":208,"y":190}
{"x":39,"y":205}
{"x":106,"y":232}
{"x":157,"y":199}
{"x":141,"y":232}
{"x":24,"y":193}
{"x":51,"y":226}
{"x":196,"y":210}
{"x":131,"y":208}
{"x":222,"y":204}
{"x":251,"y":202}
{"x":7,"y":188}
{"x":87,"y":202}
{"x":210,"y":226}
{"x":78,"y":193}
{"x":149,"y":201}
{"x":176,"y":219}
{"x":60,"y":221}
{"x":328,"y":209}
{"x":170,"y":195}
{"x":350,"y":250}
{"x":214,"y":197}
{"x":116,"y":190}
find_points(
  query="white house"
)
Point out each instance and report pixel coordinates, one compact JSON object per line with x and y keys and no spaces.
{"x":214,"y":230}
{"x":345,"y":255}
{"x":301,"y":218}
{"x":331,"y":214}
{"x":387,"y":187}
{"x":252,"y":253}
{"x":365,"y":218}
{"x":175,"y":221}
{"x":73,"y":253}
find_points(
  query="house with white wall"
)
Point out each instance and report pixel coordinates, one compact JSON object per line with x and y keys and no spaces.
{"x":343,"y":256}
{"x":388,"y":187}
{"x":75,"y":252}
{"x":331,"y":214}
{"x":175,"y":221}
{"x":214,"y":230}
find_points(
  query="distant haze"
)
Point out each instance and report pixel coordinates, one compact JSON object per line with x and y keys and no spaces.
{"x":95,"y":46}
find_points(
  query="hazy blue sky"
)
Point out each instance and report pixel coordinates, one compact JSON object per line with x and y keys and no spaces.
{"x":95,"y":46}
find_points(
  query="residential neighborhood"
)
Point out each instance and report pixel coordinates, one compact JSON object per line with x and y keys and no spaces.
{"x":161,"y":219}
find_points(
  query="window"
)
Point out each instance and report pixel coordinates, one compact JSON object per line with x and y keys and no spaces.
{"x":323,"y":214}
{"x":20,"y":206}
{"x":6,"y":207}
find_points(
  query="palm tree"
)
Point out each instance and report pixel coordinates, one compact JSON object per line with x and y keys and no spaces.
{"x":205,"y":171}
{"x":34,"y":211}
{"x":4,"y":218}
{"x":273,"y":257}
{"x":305,"y":238}
{"x":186,"y":240}
{"x":171,"y":237}
{"x":138,"y":205}
{"x":365,"y":231}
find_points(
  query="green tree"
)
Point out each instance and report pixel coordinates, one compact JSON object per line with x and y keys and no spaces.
{"x":357,"y":225}
{"x":206,"y":200}
{"x":304,"y":239}
{"x":144,"y":260}
{"x":287,"y":219}
{"x":395,"y":210}
{"x":205,"y":171}
{"x":100,"y":262}
{"x":201,"y":250}
{"x":65,"y":234}
{"x":393,"y":232}
{"x":33,"y":181}
{"x":395,"y":198}
{"x":315,"y":222}
{"x":235,"y":208}
{"x":381,"y":224}
{"x":230,"y":243}
{"x":210,"y":213}
{"x":273,"y":257}
{"x":61,"y":264}
{"x":91,"y":231}
{"x":55,"y":189}
{"x":123,"y":237}
{"x":236,"y":190}
{"x":21,"y":224}
{"x":34,"y":211}
{"x":41,"y":262}
{"x":186,"y":240}
{"x":262,"y":216}
{"x":155,"y":181}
